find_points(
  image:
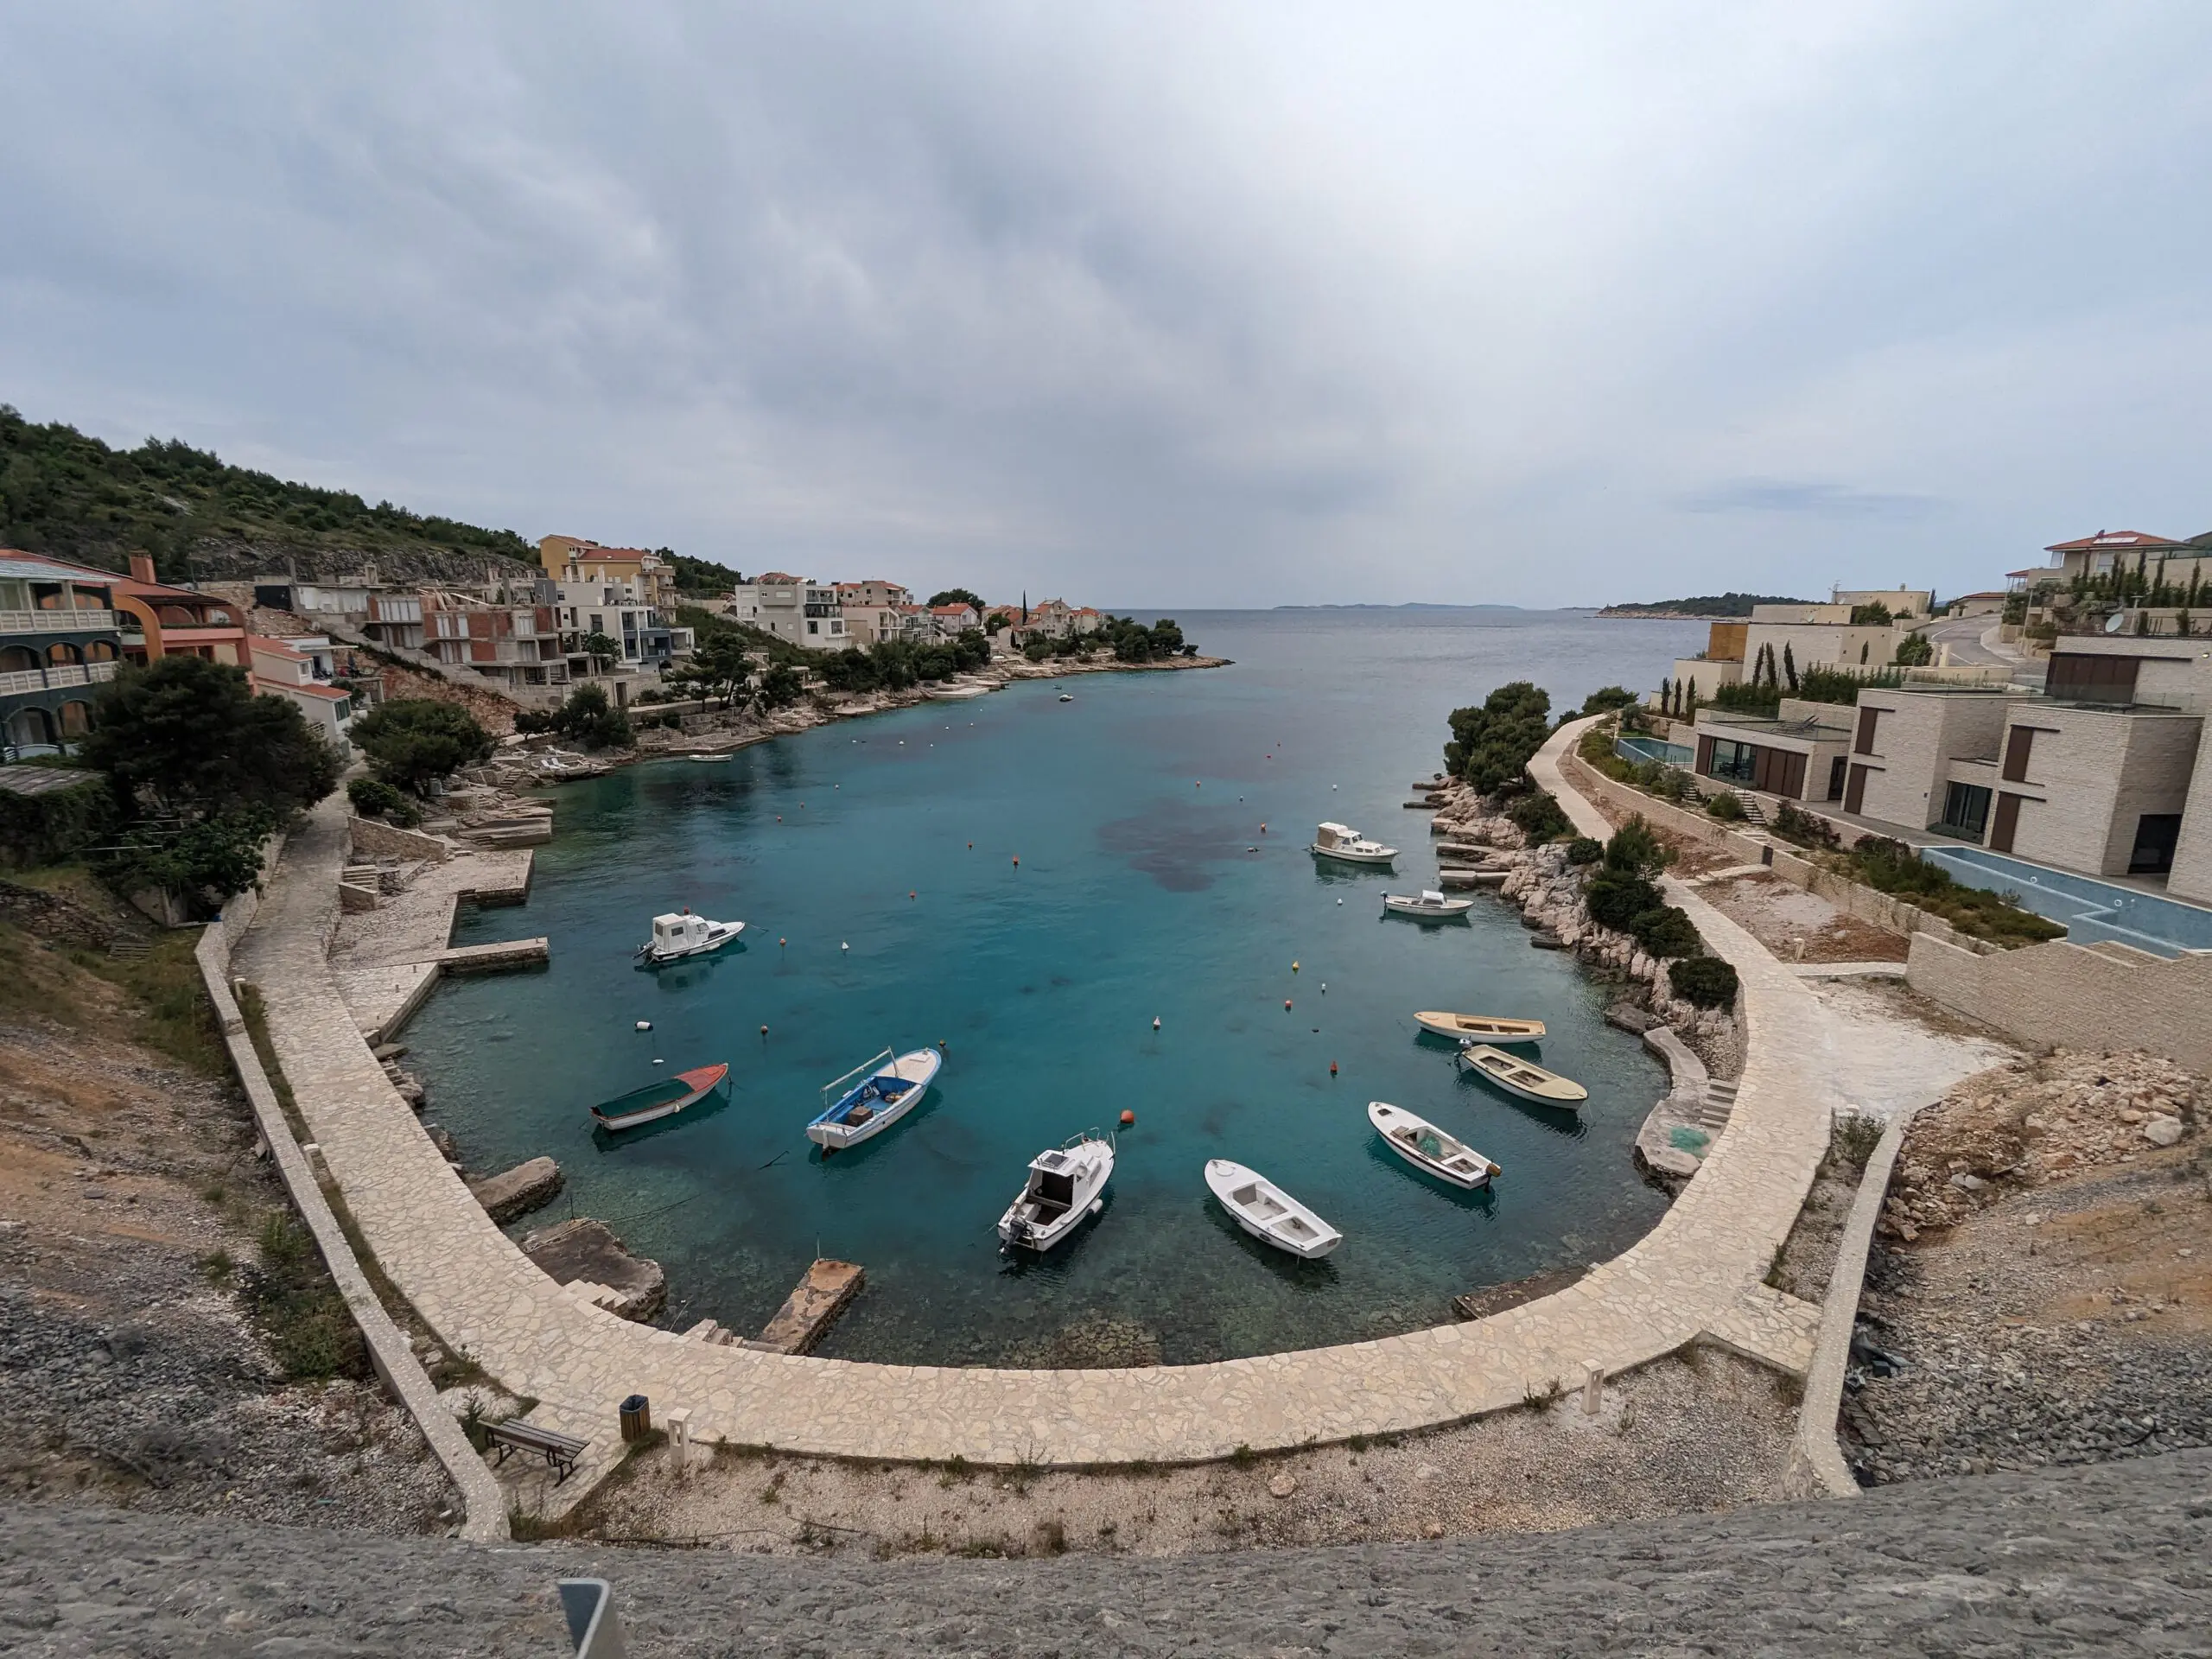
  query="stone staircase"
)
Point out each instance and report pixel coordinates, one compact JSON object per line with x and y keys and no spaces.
{"x":595,"y":1295}
{"x":1720,"y":1102}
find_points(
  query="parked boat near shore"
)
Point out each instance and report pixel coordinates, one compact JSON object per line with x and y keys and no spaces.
{"x":1268,"y":1213}
{"x":1342,"y":842}
{"x":679,"y":936}
{"x":1066,"y":1184}
{"x":1519,"y":1076}
{"x":871,"y":1097}
{"x":1482,"y":1028}
{"x":1430,"y":906}
{"x":1427,"y":1148}
{"x":663,"y":1098}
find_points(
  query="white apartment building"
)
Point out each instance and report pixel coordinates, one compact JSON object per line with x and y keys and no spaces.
{"x":797,"y":608}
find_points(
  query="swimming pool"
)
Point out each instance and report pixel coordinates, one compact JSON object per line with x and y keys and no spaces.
{"x":2091,"y":909}
{"x":1640,"y":749}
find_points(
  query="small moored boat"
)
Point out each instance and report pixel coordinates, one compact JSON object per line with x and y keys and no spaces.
{"x":1481,"y":1027}
{"x":680,"y":935}
{"x":871,"y":1097}
{"x":663,"y":1098}
{"x":709,"y":759}
{"x":1428,"y":905}
{"x":1067,"y":696}
{"x":1424,"y":1146}
{"x":1518,"y":1076}
{"x":1066,"y":1184}
{"x":1342,"y":842}
{"x":1268,"y":1213}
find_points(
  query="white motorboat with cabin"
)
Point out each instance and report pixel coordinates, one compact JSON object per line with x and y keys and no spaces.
{"x":1427,"y":1147}
{"x":1341,"y":842}
{"x":871,"y":1097}
{"x":679,"y":936}
{"x":1066,"y":1184}
{"x":1519,"y":1076}
{"x":1268,"y":1213}
{"x":1428,"y":905}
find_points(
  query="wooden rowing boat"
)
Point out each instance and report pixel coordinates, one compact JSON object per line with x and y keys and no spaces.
{"x":1518,"y":1076}
{"x":1483,"y":1027}
{"x":662,"y":1099}
{"x":1427,"y":1148}
{"x":1268,"y":1213}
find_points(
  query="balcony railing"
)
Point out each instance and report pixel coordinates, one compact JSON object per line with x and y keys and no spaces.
{"x":21,"y":680}
{"x":56,"y":621}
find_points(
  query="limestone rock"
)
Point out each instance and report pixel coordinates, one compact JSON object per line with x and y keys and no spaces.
{"x":1282,"y":1485}
{"x":2162,"y":1131}
{"x":518,"y":1190}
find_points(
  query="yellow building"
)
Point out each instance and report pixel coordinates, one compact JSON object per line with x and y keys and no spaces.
{"x":650,"y":580}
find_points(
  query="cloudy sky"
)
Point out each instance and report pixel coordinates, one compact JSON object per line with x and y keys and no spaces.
{"x":1165,"y":304}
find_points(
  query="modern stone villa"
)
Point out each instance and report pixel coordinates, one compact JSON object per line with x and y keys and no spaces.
{"x":2100,"y":769}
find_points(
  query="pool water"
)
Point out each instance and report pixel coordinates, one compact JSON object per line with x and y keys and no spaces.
{"x":1033,"y":883}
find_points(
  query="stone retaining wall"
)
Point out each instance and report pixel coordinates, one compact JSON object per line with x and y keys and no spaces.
{"x":484,"y":1502}
{"x":2066,"y":995}
{"x":379,"y":839}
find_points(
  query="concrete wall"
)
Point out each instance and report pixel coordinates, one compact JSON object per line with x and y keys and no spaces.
{"x":2075,"y":996}
{"x":376,"y":839}
{"x":1813,"y":644}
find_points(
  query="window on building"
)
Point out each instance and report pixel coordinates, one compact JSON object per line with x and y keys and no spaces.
{"x":2080,"y":676}
{"x":2156,"y":833}
{"x":1965,"y":811}
{"x":1736,"y":762}
{"x":2019,"y":743}
{"x":1868,"y":718}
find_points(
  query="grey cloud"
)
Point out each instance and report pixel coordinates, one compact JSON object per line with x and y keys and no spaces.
{"x":1150,"y":304}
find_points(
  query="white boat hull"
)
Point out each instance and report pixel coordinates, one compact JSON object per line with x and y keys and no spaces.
{"x":1342,"y":857}
{"x":654,"y":957}
{"x":1026,"y":1225}
{"x":1268,"y":1213}
{"x":916,"y":1069}
{"x":1428,"y":1148}
{"x":1450,"y":911}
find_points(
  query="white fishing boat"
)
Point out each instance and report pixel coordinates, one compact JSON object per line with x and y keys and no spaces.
{"x":1481,"y":1027}
{"x":708,"y":759}
{"x":1424,"y":1146}
{"x":1343,"y":842}
{"x":1065,"y":1185}
{"x":1518,"y":1076}
{"x":1268,"y":1213}
{"x":1067,"y":696}
{"x":679,"y":936}
{"x":959,"y":691}
{"x":1429,"y":906}
{"x":871,"y":1097}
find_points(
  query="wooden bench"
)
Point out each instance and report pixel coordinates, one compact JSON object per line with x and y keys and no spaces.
{"x":560,"y":1450}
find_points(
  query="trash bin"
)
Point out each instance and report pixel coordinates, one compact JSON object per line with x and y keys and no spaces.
{"x":637,"y":1417}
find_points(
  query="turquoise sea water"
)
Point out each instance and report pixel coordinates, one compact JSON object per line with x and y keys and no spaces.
{"x":1145,"y":887}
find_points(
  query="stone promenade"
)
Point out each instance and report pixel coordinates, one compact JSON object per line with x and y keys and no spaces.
{"x":1696,"y":1276}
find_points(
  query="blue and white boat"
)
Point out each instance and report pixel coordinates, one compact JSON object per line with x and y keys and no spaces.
{"x":871,"y":1097}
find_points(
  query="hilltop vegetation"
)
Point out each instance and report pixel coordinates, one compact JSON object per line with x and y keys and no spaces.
{"x":72,"y":497}
{"x":1703,"y":605}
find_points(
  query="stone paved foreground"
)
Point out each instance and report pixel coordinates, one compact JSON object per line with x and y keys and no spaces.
{"x":2116,"y":1559}
{"x":1697,"y":1275}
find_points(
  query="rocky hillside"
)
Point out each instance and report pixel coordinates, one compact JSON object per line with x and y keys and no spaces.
{"x":72,"y":497}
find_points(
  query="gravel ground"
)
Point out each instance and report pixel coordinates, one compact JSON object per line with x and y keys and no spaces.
{"x":2110,"y":1560}
{"x":1797,"y":926}
{"x":2043,"y":1292}
{"x":134,"y":1373}
{"x":1707,"y":1431}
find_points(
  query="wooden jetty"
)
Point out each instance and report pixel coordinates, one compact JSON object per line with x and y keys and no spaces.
{"x":812,"y":1309}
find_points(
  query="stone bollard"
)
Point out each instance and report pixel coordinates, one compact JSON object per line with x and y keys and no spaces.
{"x":1593,"y":1386}
{"x":679,"y":1439}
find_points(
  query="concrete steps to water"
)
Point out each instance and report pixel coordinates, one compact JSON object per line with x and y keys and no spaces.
{"x":1719,"y":1103}
{"x":811,"y":1308}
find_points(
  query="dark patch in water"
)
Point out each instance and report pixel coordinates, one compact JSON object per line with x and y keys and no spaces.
{"x":1175,"y":841}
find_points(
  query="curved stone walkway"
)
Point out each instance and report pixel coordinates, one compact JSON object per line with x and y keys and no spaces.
{"x":1696,"y":1276}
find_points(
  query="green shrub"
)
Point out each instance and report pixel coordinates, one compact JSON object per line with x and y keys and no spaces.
{"x":1583,"y":850}
{"x":1633,"y":849}
{"x":1891,"y":867}
{"x":1744,"y":698}
{"x":1538,"y":816}
{"x":372,"y":797}
{"x":47,"y":828}
{"x":414,"y":741}
{"x":1726,"y":807}
{"x":1667,"y":932}
{"x":1805,"y":829}
{"x":1704,"y":981}
{"x":1616,"y":898}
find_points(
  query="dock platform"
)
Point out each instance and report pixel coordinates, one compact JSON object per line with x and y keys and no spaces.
{"x":812,"y":1308}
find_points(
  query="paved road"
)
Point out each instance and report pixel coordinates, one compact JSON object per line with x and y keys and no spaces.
{"x":2116,"y":1559}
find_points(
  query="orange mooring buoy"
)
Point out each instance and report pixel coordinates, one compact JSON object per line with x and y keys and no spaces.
{"x":1286,"y":1005}
{"x":1017,"y":860}
{"x":1128,"y":1118}
{"x":1332,"y":1068}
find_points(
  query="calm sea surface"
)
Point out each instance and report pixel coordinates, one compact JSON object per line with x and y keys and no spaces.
{"x":1146,"y":887}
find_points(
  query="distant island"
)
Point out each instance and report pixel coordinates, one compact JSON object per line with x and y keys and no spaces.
{"x":1705,"y":608}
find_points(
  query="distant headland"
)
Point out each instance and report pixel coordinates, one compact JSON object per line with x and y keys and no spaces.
{"x":1705,"y":608}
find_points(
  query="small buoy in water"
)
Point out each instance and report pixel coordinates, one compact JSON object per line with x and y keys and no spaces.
{"x":971,"y":845}
{"x":780,"y":817}
{"x":910,"y":893}
{"x":1197,"y":782}
{"x":1017,"y":860}
{"x":1128,"y":1118}
{"x":1324,"y":987}
{"x":1286,"y":1005}
{"x":843,"y":946}
{"x":1332,"y":785}
{"x":1156,"y":1022}
{"x":787,"y":941}
{"x":1340,"y":901}
{"x":940,"y":1046}
{"x":660,"y":1062}
{"x":1332,"y":1068}
{"x":1294,"y":967}
{"x":1263,"y":829}
{"x":764,"y":1030}
{"x":644,"y":1025}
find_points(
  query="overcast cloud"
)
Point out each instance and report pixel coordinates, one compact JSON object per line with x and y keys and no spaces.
{"x":1157,"y":305}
